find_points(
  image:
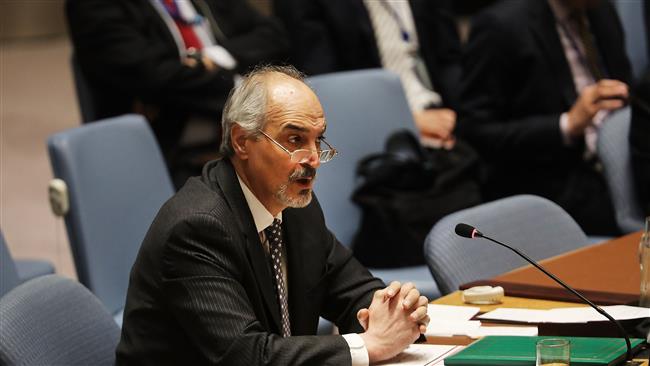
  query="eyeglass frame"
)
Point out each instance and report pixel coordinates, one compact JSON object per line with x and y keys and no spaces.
{"x":291,"y":153}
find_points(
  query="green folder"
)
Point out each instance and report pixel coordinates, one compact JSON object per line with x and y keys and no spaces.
{"x":520,"y":351}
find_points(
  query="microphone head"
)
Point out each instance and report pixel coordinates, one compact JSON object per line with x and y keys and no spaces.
{"x":467,"y":231}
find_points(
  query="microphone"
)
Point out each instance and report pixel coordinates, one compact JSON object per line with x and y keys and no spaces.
{"x":468,"y":231}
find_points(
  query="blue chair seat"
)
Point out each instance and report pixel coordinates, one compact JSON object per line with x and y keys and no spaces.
{"x":52,"y":320}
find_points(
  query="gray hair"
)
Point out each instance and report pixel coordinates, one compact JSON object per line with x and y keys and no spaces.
{"x":246,"y":104}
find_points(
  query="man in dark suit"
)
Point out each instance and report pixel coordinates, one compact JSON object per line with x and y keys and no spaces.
{"x":340,"y":35}
{"x":539,"y":76}
{"x":238,"y":265}
{"x":167,"y":59}
{"x":640,"y":129}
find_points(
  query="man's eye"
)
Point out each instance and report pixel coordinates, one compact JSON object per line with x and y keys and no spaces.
{"x":294,"y":139}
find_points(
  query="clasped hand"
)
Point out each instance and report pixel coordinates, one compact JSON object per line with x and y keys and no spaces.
{"x":395,"y":318}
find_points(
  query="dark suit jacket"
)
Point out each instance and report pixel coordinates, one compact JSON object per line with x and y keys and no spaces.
{"x":640,"y":141}
{"x":201,"y":292}
{"x":516,"y":84}
{"x":127,"y":53}
{"x":337,"y":35}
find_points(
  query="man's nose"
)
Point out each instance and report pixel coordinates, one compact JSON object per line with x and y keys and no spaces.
{"x":313,"y":160}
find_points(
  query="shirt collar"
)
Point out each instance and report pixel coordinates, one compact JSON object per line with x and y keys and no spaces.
{"x":261,"y":215}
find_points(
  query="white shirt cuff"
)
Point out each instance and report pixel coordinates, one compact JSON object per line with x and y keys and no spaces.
{"x":220,"y":56}
{"x":358,"y":351}
{"x":564,"y":128}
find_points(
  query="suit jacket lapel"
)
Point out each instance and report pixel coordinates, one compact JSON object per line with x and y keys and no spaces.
{"x":227,"y":178}
{"x":298,"y":258}
{"x":544,"y":29}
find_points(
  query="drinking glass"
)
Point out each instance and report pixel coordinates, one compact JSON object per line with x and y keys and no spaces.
{"x":553,"y":352}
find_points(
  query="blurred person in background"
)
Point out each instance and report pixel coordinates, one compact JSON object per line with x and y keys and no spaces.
{"x":170,"y":60}
{"x":640,"y":128}
{"x":539,"y":77}
{"x":416,"y":39}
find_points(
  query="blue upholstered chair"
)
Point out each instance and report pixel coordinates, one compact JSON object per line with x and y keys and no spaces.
{"x":8,"y":273}
{"x":614,"y":153}
{"x":362,"y":109}
{"x":13,"y":272}
{"x":52,"y":320}
{"x":538,"y":227}
{"x":631,"y":14}
{"x":117,"y":180}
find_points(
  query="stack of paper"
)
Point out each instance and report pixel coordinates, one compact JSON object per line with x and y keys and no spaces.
{"x":448,"y":320}
{"x":566,"y":315}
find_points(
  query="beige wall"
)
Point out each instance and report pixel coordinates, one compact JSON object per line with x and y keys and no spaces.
{"x":31,"y":18}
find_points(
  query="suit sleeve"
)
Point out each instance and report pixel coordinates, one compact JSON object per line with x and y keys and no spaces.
{"x":440,"y":46}
{"x":639,"y":137}
{"x":313,"y":46}
{"x":202,"y":284}
{"x":350,"y":287}
{"x":490,"y":86}
{"x":251,"y":37}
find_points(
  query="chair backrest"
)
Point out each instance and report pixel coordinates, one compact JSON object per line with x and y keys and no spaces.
{"x":631,"y":14}
{"x":538,"y":227}
{"x":8,"y":273}
{"x":362,"y":109}
{"x":614,"y":153}
{"x":117,"y":180}
{"x":52,"y":320}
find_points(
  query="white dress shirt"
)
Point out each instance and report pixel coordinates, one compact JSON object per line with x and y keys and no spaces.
{"x":263,"y":219}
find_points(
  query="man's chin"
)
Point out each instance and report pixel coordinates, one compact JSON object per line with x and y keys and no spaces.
{"x":300,"y":200}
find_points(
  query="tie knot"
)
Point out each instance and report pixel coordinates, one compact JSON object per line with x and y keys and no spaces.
{"x":275,"y":225}
{"x":274,"y":230}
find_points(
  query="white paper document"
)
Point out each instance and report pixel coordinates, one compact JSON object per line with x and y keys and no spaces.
{"x":450,"y":312}
{"x":566,"y":315}
{"x":422,"y":354}
{"x":448,"y":320}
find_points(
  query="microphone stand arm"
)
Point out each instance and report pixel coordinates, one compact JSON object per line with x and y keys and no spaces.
{"x":579,"y":295}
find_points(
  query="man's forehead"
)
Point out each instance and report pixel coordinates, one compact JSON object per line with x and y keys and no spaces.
{"x":293,"y":104}
{"x":300,"y":126}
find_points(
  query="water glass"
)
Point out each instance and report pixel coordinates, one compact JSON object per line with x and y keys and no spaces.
{"x":553,"y":352}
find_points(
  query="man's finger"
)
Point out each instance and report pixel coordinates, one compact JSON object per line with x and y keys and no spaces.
{"x":419,"y":314}
{"x":411,"y":298}
{"x":392,"y":290}
{"x":610,"y":104}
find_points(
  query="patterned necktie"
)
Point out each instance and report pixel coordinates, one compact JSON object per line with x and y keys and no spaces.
{"x":274,"y":238}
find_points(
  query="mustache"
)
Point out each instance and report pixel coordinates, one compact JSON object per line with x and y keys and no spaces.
{"x":303,"y":172}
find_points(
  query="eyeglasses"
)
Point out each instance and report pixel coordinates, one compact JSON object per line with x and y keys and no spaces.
{"x":302,"y":156}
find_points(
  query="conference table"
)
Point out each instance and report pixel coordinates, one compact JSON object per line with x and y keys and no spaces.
{"x":607,"y":273}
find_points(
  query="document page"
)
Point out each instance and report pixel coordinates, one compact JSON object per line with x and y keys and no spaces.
{"x":422,"y":354}
{"x":449,"y":320}
{"x":567,"y":315}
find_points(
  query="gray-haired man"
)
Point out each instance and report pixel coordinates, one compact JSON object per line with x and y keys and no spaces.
{"x":238,"y":265}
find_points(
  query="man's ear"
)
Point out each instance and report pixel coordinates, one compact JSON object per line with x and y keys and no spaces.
{"x":239,"y":141}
